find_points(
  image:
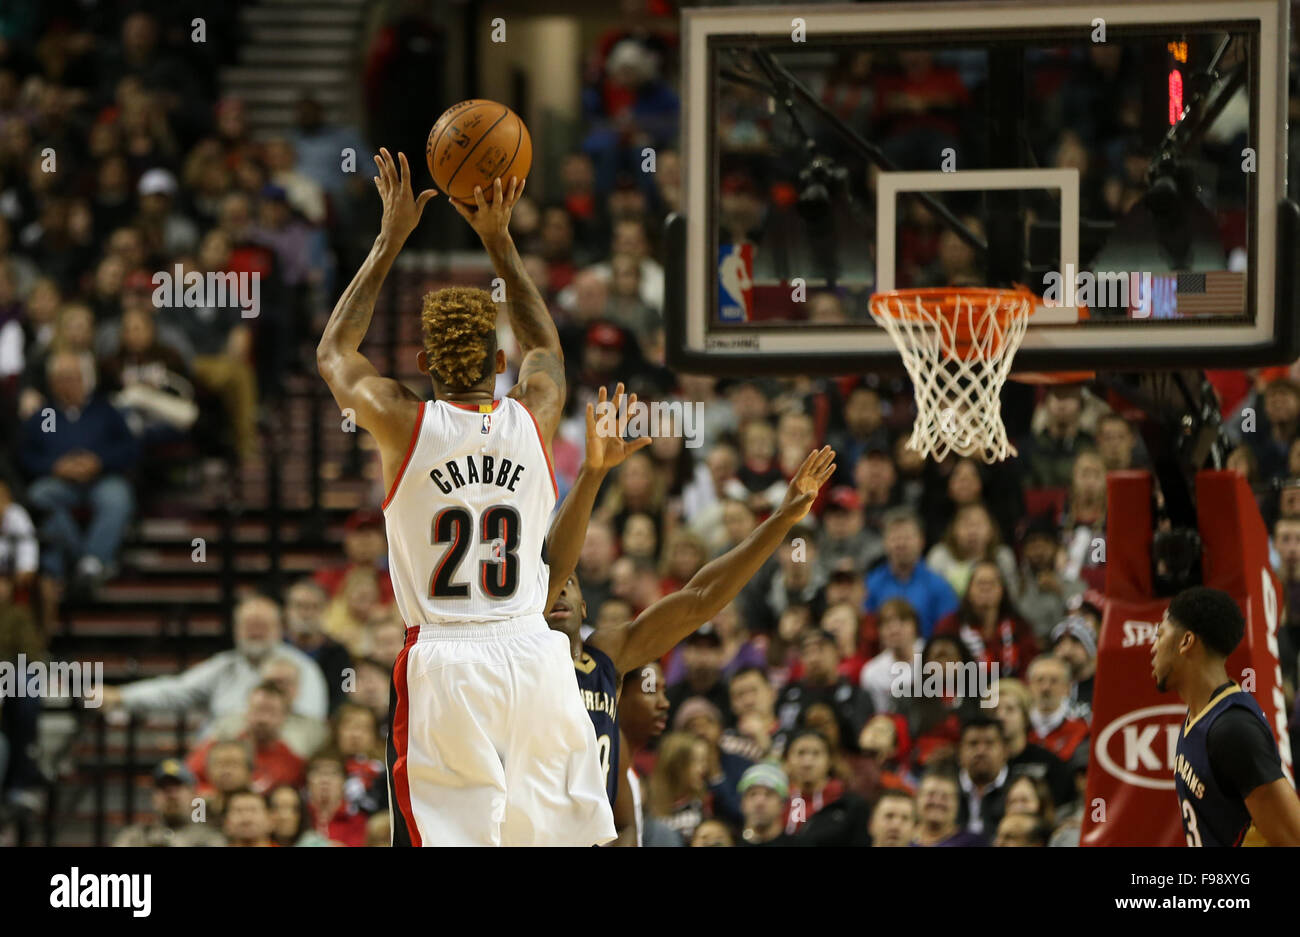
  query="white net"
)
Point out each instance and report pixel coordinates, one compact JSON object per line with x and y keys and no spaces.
{"x":958,"y":346}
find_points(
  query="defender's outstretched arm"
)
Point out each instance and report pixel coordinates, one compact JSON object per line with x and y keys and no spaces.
{"x":661,"y":626}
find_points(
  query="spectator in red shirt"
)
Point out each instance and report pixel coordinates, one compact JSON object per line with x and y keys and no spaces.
{"x":934,"y":723}
{"x":365,"y":545}
{"x":876,"y":766}
{"x":229,"y":768}
{"x":331,"y":815}
{"x":356,"y":738}
{"x":274,"y":762}
{"x":555,"y":240}
{"x":822,"y":812}
{"x":919,"y":108}
{"x":246,"y":820}
{"x":1052,"y":722}
{"x":844,"y":624}
{"x":989,"y":625}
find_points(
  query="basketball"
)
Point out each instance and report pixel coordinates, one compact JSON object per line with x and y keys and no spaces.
{"x":475,"y":142}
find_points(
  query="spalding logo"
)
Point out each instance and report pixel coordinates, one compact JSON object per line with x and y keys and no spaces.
{"x":1139,"y":632}
{"x":1138,"y":748}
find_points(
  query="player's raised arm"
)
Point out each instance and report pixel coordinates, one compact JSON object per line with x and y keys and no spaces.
{"x":541,"y":374}
{"x":1275,"y":811}
{"x":661,"y":626}
{"x":353,"y":380}
{"x":606,"y":426}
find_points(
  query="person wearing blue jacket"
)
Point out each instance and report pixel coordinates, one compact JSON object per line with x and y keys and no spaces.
{"x":78,"y":450}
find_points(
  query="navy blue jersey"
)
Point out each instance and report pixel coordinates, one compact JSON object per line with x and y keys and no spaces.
{"x":598,"y":684}
{"x":1212,"y":802}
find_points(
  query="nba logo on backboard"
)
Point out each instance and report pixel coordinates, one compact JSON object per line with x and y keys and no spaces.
{"x":735,"y":283}
{"x":487,"y":423}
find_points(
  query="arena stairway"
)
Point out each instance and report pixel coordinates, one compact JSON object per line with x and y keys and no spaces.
{"x":165,"y":611}
{"x":295,"y":46}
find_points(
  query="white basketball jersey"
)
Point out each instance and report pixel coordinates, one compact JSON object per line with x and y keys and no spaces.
{"x":468,"y":514}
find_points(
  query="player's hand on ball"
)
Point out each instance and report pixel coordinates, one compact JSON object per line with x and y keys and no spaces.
{"x":606,"y":447}
{"x":492,"y":221}
{"x":816,"y":470}
{"x":402,"y":210}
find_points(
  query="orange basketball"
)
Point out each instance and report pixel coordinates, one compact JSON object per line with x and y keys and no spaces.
{"x":475,"y":142}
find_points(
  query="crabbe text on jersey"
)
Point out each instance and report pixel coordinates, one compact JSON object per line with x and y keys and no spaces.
{"x":477,"y":469}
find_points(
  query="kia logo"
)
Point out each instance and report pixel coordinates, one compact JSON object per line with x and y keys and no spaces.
{"x":1145,"y":741}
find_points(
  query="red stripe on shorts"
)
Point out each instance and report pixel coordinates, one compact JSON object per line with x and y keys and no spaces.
{"x":399,"y":729}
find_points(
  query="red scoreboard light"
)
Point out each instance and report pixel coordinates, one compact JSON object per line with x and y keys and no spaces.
{"x":1178,"y":52}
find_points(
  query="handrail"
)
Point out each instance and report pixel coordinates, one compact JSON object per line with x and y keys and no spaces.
{"x":131,"y":771}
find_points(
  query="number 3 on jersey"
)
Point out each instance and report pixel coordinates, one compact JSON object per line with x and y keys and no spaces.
{"x":499,"y":574}
{"x":1193,"y":834}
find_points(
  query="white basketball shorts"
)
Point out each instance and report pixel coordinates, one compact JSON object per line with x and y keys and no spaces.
{"x":490,"y":744}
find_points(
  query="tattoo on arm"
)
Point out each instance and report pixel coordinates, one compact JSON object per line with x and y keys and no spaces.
{"x":543,"y":362}
{"x":351,"y":316}
{"x":529,"y":317}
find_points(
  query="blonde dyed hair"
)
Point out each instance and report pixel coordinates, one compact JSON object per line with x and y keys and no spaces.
{"x":459,"y":327}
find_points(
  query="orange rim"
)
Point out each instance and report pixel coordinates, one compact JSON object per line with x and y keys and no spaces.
{"x":1053,"y":377}
{"x":942,"y":301}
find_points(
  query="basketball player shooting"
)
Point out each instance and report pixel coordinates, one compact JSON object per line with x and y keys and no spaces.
{"x":602,"y":660}
{"x":1227,"y":772}
{"x":489,"y":742}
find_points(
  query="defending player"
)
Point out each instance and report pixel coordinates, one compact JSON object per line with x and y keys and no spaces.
{"x":1227,"y":771}
{"x":608,"y":654}
{"x":489,"y":743}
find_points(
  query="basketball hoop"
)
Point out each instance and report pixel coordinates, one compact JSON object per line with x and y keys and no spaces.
{"x":957,"y":344}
